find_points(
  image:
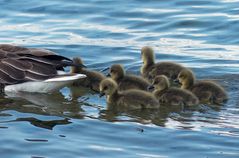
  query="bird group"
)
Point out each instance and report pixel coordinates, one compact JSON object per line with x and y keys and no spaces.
{"x":160,"y":83}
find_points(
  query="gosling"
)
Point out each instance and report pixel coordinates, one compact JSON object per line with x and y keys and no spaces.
{"x":126,"y":82}
{"x":129,"y":99}
{"x":171,"y":96}
{"x":206,"y":91}
{"x":150,"y":69}
{"x":93,"y":78}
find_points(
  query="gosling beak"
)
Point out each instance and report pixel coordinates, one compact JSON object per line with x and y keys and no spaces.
{"x":70,"y":63}
{"x":101,"y":94}
{"x":105,"y":69}
{"x":151,"y":77}
{"x":151,"y":87}
{"x":108,"y":75}
{"x":176,"y":81}
{"x":82,"y":65}
{"x":79,"y":65}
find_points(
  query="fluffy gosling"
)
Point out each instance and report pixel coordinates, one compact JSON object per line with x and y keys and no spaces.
{"x":171,"y":96}
{"x":93,"y":78}
{"x":126,"y":82}
{"x":130,"y":99}
{"x":206,"y":91}
{"x":150,"y":69}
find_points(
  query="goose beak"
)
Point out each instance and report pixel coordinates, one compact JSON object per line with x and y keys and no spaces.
{"x":108,"y":75}
{"x":101,"y":94}
{"x":151,"y":87}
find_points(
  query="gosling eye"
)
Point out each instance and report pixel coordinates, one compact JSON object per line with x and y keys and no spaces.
{"x":111,"y":71}
{"x":105,"y":88}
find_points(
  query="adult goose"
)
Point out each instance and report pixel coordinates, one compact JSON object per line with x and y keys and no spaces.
{"x":33,"y":70}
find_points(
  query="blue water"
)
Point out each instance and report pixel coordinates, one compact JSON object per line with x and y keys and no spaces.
{"x":202,"y":35}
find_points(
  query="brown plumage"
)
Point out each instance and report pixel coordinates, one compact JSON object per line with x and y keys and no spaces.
{"x":172,"y":96}
{"x":93,"y":78}
{"x":126,"y":82}
{"x":150,"y":69}
{"x":130,"y":99}
{"x":19,"y":64}
{"x":206,"y":91}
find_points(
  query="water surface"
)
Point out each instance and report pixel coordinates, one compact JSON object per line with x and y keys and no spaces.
{"x":75,"y":122}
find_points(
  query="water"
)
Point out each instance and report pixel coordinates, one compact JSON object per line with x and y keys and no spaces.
{"x":200,"y":34}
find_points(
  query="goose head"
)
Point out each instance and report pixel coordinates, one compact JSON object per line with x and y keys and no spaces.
{"x":186,"y":78}
{"x":160,"y":82}
{"x":116,"y":72}
{"x":107,"y":87}
{"x":147,"y":55}
{"x":78,"y":65}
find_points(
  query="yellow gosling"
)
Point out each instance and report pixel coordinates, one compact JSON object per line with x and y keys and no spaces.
{"x":126,"y":82}
{"x":206,"y":91}
{"x":93,"y":78}
{"x":150,"y":69}
{"x":130,"y":99}
{"x":172,"y":96}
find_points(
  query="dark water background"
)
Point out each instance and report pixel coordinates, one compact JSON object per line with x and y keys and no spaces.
{"x":202,"y":34}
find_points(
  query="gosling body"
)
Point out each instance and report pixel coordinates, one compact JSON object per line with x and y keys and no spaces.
{"x":206,"y":91}
{"x":130,"y":99}
{"x":172,"y":95}
{"x":93,"y":78}
{"x":150,"y":69}
{"x":126,"y":82}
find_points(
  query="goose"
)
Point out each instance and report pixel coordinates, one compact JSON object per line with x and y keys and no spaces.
{"x":33,"y":70}
{"x":93,"y":78}
{"x":129,"y":99}
{"x":206,"y":91}
{"x":171,"y":95}
{"x":126,"y":82}
{"x":150,"y":69}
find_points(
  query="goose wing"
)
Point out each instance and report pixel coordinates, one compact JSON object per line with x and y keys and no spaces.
{"x":13,"y":71}
{"x":35,"y":55}
{"x":19,"y":64}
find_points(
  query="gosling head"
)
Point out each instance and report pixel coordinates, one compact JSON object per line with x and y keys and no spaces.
{"x":107,"y":87}
{"x":161,"y":82}
{"x":78,"y":65}
{"x":147,"y":55}
{"x":116,"y":72}
{"x":186,"y":78}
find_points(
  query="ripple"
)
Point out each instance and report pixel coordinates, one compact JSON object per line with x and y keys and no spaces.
{"x":202,"y":35}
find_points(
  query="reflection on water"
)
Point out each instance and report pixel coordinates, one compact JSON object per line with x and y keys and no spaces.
{"x":75,"y":122}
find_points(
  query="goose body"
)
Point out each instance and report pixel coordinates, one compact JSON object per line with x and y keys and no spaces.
{"x":33,"y":70}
